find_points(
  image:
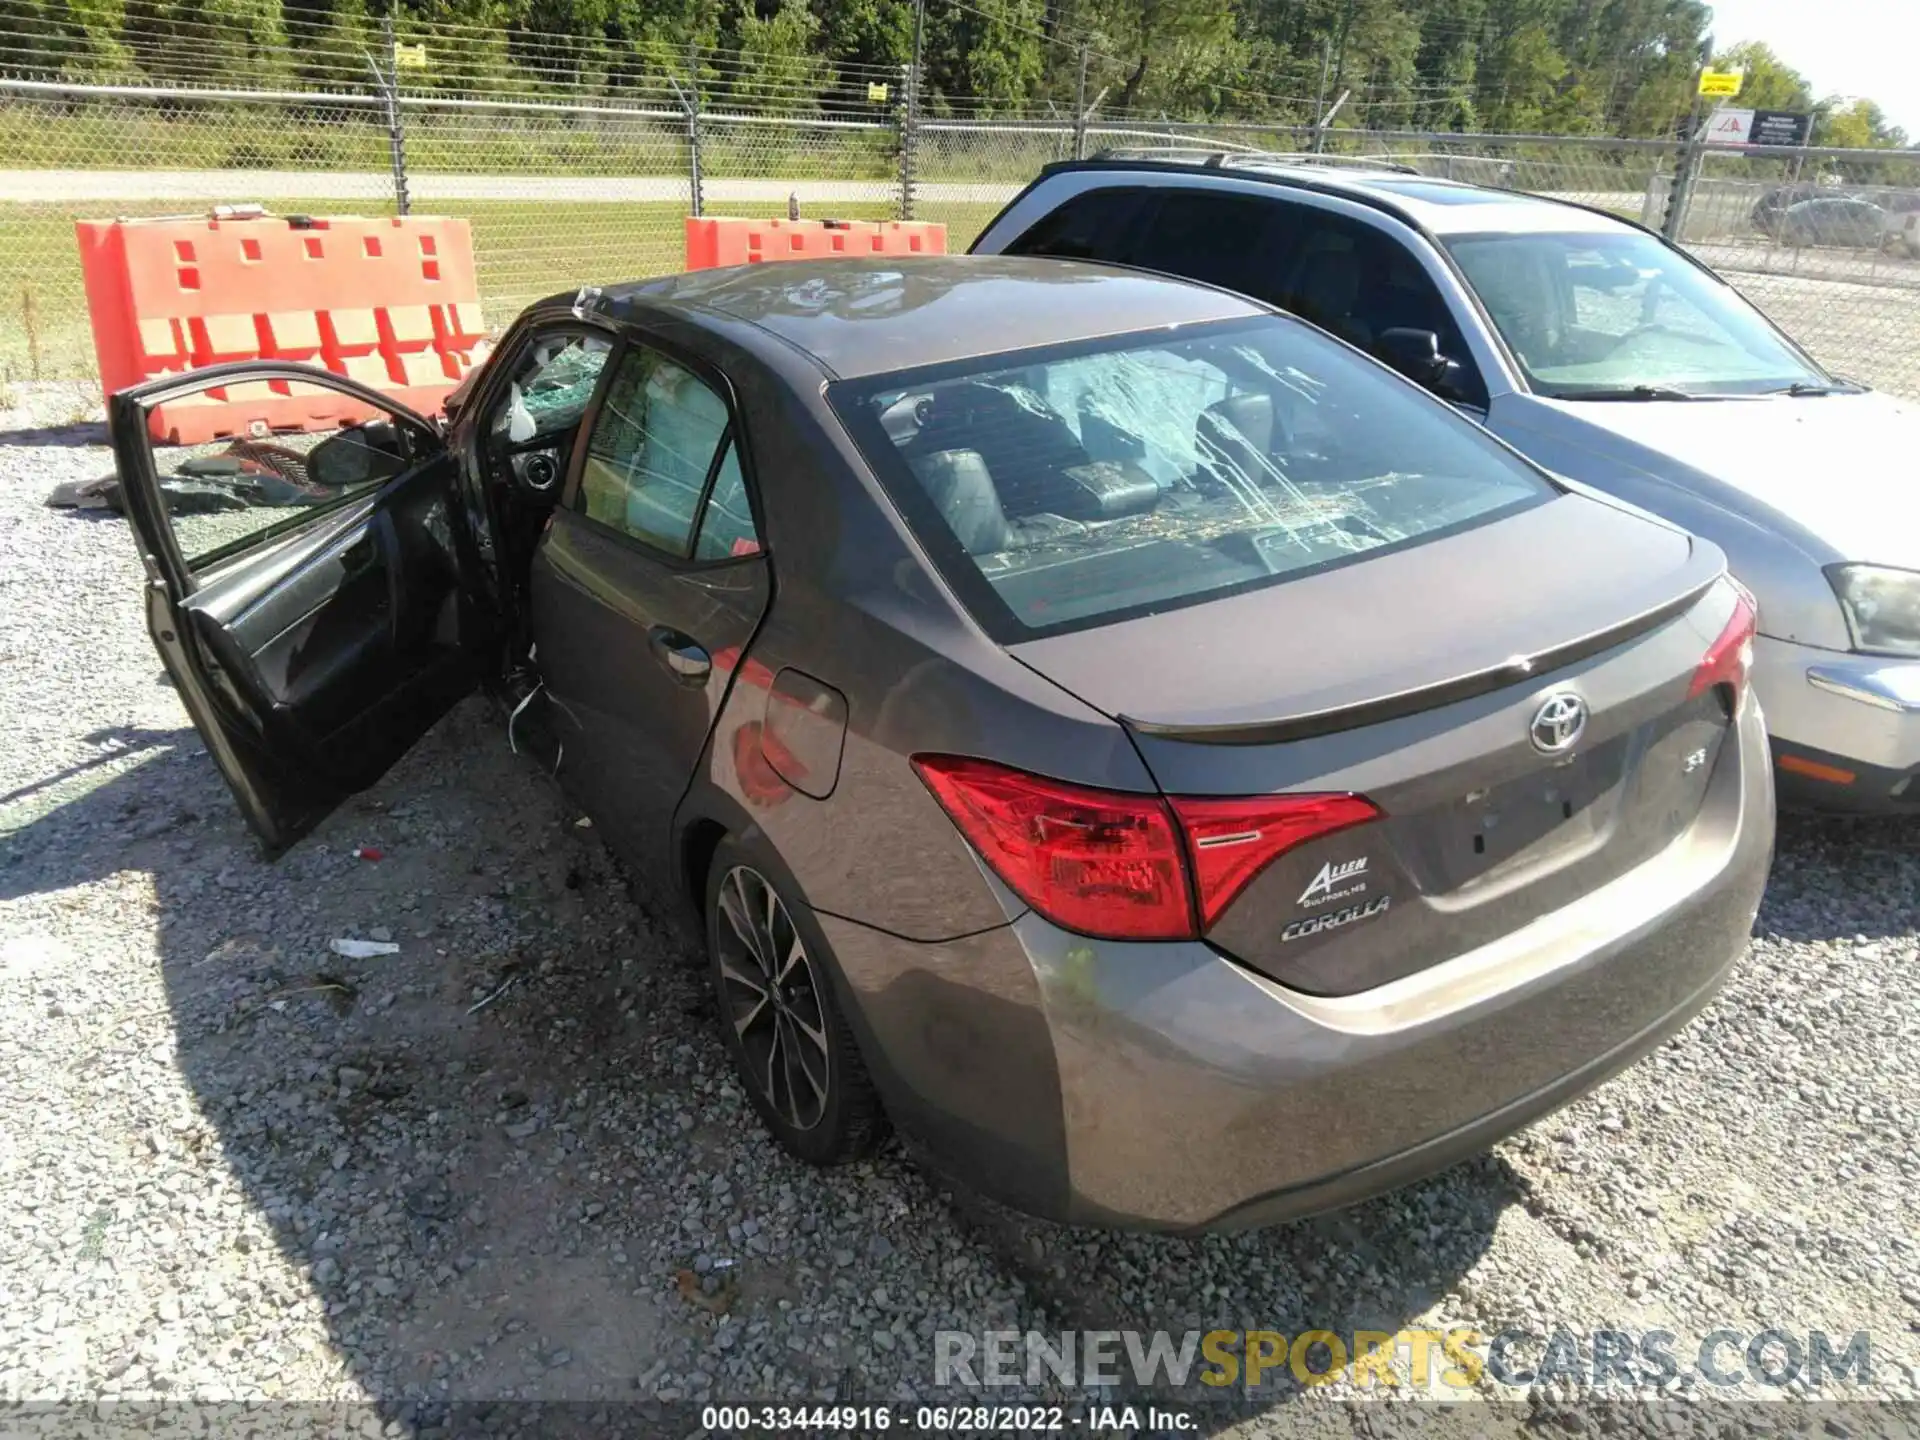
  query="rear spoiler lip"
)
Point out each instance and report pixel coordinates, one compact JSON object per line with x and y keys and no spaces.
{"x":1316,"y":723}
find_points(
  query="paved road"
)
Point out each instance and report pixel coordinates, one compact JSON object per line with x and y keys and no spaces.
{"x":82,"y":186}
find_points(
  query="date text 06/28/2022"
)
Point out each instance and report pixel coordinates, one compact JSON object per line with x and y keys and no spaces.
{"x":947,"y":1419}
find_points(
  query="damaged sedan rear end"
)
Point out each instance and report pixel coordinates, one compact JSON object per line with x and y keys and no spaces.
{"x":1452,"y":796}
{"x":1177,"y":769}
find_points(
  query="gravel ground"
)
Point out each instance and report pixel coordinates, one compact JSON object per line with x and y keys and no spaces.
{"x":234,"y":1165}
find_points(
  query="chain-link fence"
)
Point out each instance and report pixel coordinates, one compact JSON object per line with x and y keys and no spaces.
{"x":562,"y":191}
{"x":1827,"y":242}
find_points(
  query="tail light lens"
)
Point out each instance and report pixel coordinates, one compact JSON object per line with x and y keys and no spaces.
{"x":1729,"y":658}
{"x":1123,"y":866}
{"x":1096,"y":861}
{"x":1233,"y":840}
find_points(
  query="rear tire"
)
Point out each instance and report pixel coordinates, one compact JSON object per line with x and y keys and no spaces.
{"x":779,"y":1017}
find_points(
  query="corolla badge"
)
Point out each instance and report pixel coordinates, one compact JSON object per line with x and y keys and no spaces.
{"x":1335,"y":919}
{"x":1558,"y":724}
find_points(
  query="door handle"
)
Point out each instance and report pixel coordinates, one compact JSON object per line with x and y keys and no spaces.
{"x":685,"y":658}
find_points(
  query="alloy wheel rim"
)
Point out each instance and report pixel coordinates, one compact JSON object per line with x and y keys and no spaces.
{"x":770,"y":995}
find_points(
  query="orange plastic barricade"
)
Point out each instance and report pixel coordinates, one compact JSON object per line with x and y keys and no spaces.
{"x":714,"y":241}
{"x":392,"y":302}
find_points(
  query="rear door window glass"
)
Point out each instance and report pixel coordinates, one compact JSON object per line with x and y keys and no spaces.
{"x":1214,"y":236}
{"x":1090,"y":226}
{"x":726,"y":527}
{"x":1062,"y":488}
{"x":655,"y":440}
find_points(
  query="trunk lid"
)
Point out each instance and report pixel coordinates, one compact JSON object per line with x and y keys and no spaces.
{"x":1419,"y":679}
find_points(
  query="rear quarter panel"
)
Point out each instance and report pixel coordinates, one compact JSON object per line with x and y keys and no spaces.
{"x":856,"y":608}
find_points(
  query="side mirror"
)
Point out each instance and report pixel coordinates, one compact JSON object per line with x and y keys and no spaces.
{"x":1416,"y":355}
{"x":373,"y":451}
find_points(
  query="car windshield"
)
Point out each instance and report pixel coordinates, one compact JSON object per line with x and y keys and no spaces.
{"x":1615,"y":313}
{"x":1062,"y":488}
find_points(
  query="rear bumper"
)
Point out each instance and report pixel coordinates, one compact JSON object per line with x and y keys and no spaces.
{"x":1846,"y":728}
{"x":1166,"y":1087}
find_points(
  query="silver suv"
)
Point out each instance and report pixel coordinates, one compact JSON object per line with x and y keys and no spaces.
{"x":1605,"y":354}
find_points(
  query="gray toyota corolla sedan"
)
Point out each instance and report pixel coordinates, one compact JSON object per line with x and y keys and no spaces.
{"x":1172,"y":766}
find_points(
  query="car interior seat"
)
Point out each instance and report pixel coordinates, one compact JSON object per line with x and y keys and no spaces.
{"x":1233,"y":439}
{"x":962,"y":489}
{"x":1026,"y":448}
{"x":1406,"y":299}
{"x":1327,"y":289}
{"x":1105,"y":439}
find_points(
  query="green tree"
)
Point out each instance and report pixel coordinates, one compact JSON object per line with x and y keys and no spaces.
{"x":1519,"y":80}
{"x":1856,"y":124}
{"x":1655,"y":70}
{"x":239,"y":42}
{"x":867,"y":33}
{"x":1770,"y":83}
{"x":473,"y":58}
{"x":1447,"y":66}
{"x":330,"y":40}
{"x":1153,"y":50}
{"x":68,"y":41}
{"x":990,"y":56}
{"x":779,"y":69}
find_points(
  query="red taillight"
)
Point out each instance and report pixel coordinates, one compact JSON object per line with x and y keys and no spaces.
{"x":1729,"y":658}
{"x":1124,"y":866}
{"x":1234,"y":839}
{"x":1096,"y":861}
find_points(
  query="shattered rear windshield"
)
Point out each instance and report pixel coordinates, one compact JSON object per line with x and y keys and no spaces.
{"x":1070,"y":487}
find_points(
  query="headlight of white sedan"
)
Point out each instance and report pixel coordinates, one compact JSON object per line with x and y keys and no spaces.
{"x":1882,"y":606}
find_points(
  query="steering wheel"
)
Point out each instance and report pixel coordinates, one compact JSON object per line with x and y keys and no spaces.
{"x":1654,"y":328}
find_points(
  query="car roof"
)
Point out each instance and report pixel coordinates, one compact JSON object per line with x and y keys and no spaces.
{"x":872,"y":315}
{"x":1436,"y":205}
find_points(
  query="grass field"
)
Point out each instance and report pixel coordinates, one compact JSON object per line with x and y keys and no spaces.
{"x":523,"y":251}
{"x":527,"y":250}
{"x":323,"y":137}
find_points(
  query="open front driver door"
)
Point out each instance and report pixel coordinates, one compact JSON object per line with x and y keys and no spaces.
{"x":308,"y":592}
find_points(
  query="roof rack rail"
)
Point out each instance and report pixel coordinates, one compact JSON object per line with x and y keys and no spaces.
{"x":1350,"y":162}
{"x":1222,"y":159}
{"x":1191,"y":154}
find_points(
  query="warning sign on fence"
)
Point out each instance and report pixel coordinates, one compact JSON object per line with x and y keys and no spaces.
{"x":1780,"y":127}
{"x":1730,"y":127}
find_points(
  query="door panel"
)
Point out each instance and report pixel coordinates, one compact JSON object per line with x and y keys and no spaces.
{"x":646,"y":589}
{"x":615,"y":625}
{"x":306,"y":592}
{"x":355,"y":612}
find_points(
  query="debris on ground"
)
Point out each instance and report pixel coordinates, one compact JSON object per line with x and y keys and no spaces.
{"x":363,"y":949}
{"x":508,"y":978}
{"x":715,"y":1303}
